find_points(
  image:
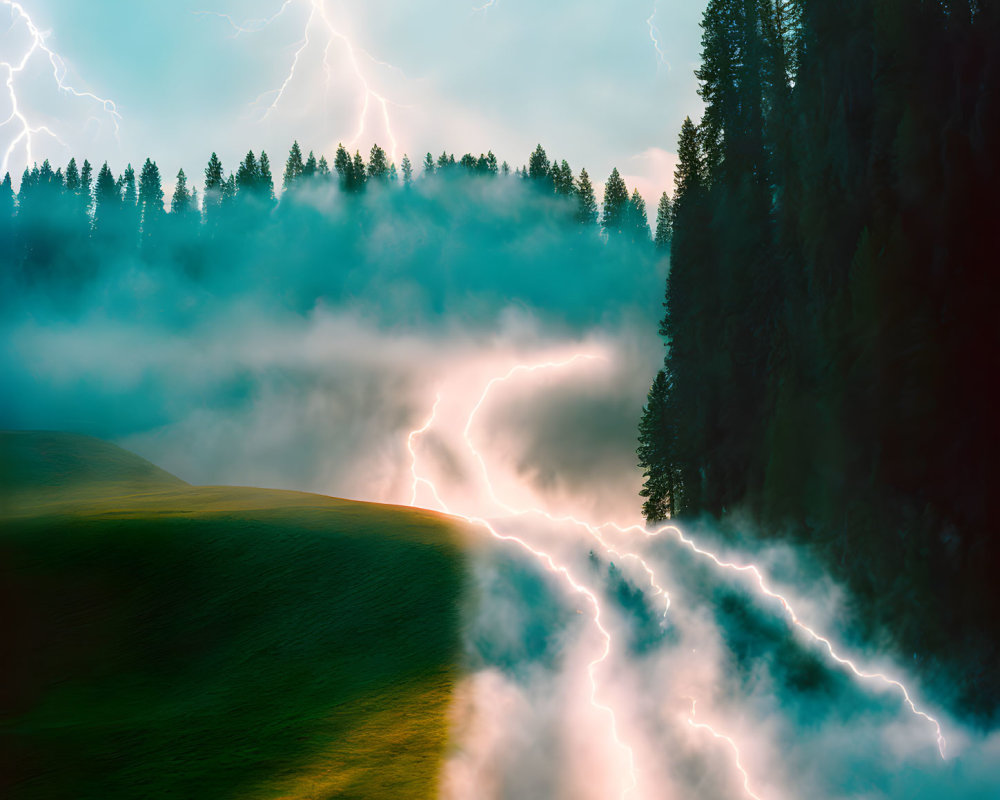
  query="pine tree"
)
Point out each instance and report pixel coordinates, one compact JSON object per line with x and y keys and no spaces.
{"x":616,"y":203}
{"x":322,"y":168}
{"x":562,"y":179}
{"x":293,"y":166}
{"x":107,"y":197}
{"x":655,"y":453}
{"x":72,"y":177}
{"x":505,"y":168}
{"x":407,"y":168}
{"x":428,"y":164}
{"x":378,"y":164}
{"x":358,"y":172}
{"x":491,"y":163}
{"x":538,"y":164}
{"x":180,"y":203}
{"x":86,"y":180}
{"x":265,"y":179}
{"x":310,"y":167}
{"x":342,"y":163}
{"x":215,"y":180}
{"x":664,"y":221}
{"x":6,"y":201}
{"x":586,"y":209}
{"x":248,"y":178}
{"x":636,"y":220}
{"x":150,"y":197}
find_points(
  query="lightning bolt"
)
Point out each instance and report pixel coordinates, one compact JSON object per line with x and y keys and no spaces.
{"x":551,"y":565}
{"x":732,"y":745}
{"x":654,"y":36}
{"x":759,"y":582}
{"x":13,"y":68}
{"x":319,"y":23}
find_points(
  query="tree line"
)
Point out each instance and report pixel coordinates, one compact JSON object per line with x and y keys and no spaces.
{"x":830,"y":313}
{"x":131,"y":208}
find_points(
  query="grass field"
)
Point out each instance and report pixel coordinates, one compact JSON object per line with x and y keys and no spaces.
{"x":168,"y":641}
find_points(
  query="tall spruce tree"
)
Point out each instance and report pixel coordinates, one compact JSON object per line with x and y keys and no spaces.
{"x":407,"y":168}
{"x":293,"y":166}
{"x":586,"y":207}
{"x":664,"y":222}
{"x":378,"y":164}
{"x":616,"y":202}
{"x":150,"y":198}
{"x":181,"y":201}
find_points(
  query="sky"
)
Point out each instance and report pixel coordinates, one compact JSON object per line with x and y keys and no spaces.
{"x":601,"y":84}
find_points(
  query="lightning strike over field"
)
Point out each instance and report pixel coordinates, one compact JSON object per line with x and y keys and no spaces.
{"x":551,"y":565}
{"x":319,"y":24}
{"x":26,"y":129}
{"x":732,"y":746}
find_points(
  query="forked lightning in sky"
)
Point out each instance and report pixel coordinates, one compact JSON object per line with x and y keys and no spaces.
{"x":319,"y":28}
{"x":25,"y":129}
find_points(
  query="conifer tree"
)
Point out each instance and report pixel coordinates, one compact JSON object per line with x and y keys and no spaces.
{"x":562,"y":179}
{"x":180,"y":203}
{"x":86,"y":177}
{"x":664,"y":222}
{"x":215,"y":180}
{"x":586,"y":208}
{"x":86,"y":181}
{"x":538,"y":164}
{"x":655,"y":453}
{"x":428,"y":164}
{"x":72,"y":177}
{"x":505,"y":168}
{"x":491,"y":163}
{"x":130,"y":199}
{"x":310,"y":167}
{"x":342,"y":163}
{"x":378,"y":164}
{"x":248,"y":178}
{"x":6,"y":200}
{"x":616,"y":203}
{"x":636,"y":220}
{"x":293,"y":166}
{"x":359,"y":174}
{"x":322,"y":168}
{"x":107,"y":197}
{"x":265,"y":179}
{"x":150,"y":198}
{"x":407,"y":168}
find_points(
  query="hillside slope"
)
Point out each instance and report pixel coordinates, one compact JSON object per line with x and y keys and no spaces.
{"x":168,"y":641}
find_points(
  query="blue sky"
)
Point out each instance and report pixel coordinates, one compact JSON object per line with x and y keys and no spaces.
{"x":584,"y":79}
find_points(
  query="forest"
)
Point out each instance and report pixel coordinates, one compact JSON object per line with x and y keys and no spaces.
{"x":831,"y":313}
{"x":60,"y":223}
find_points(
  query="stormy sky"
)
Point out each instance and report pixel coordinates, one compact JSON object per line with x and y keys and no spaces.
{"x":599,"y":84}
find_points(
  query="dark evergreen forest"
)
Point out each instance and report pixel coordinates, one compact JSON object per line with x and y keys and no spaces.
{"x":831,"y":312}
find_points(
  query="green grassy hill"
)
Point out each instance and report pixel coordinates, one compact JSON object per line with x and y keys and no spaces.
{"x":168,"y":641}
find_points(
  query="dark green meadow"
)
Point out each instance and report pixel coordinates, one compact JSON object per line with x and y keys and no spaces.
{"x":162,"y":641}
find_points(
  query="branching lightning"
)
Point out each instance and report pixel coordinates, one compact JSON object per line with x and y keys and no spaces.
{"x":27,"y":130}
{"x":654,"y":36}
{"x":594,"y":530}
{"x":549,"y":562}
{"x":319,"y":24}
{"x":732,"y":746}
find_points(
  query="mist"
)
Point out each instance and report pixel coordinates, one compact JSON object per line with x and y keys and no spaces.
{"x":300,"y":347}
